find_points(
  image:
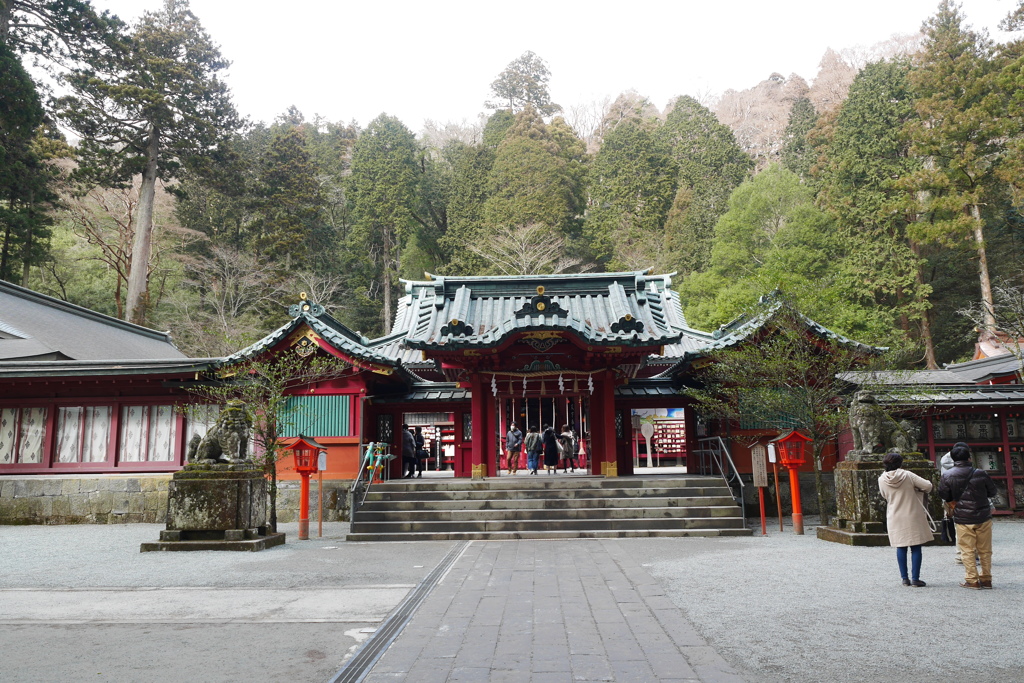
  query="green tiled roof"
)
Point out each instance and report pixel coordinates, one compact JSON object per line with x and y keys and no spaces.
{"x":335,"y":333}
{"x":620,"y":309}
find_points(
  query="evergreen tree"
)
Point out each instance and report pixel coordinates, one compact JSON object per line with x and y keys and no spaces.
{"x":958,"y":134}
{"x":147,"y":109}
{"x":633,"y":182}
{"x":774,"y":237}
{"x":25,"y":177}
{"x":797,"y":153}
{"x":285,"y":228}
{"x":534,"y":179}
{"x":470,"y":170}
{"x":383,"y":193}
{"x":524,"y":83}
{"x":859,"y":186}
{"x":711,"y":165}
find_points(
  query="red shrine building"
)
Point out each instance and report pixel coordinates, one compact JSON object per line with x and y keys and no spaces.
{"x":90,"y":404}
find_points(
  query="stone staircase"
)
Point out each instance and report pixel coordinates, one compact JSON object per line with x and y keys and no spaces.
{"x":547,"y":507}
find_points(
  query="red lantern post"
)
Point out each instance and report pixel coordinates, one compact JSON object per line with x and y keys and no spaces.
{"x":791,"y":454}
{"x":305,"y":451}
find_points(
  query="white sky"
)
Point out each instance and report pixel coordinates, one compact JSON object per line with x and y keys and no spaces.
{"x":435,"y":59}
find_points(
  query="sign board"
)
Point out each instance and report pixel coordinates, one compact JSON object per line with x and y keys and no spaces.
{"x":759,"y":466}
{"x":321,"y":461}
{"x":771,"y":453}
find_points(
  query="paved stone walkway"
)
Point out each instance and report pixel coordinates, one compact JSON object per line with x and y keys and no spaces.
{"x":549,"y":611}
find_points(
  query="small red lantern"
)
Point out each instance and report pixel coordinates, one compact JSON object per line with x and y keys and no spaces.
{"x":791,"y":455}
{"x":791,"y":448}
{"x":306,"y":452}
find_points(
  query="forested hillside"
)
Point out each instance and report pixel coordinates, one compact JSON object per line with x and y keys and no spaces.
{"x":883,"y":194}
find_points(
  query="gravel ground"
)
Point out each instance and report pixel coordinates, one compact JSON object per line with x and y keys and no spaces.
{"x":792,"y":608}
{"x":90,"y":555}
{"x":780,"y":608}
{"x":82,"y":603}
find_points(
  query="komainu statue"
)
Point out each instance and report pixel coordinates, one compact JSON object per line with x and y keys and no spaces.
{"x":866,"y":421}
{"x":874,"y":432}
{"x":227,"y":440}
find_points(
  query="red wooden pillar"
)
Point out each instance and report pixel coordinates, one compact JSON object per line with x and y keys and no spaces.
{"x":481,"y":428}
{"x":603,"y":423}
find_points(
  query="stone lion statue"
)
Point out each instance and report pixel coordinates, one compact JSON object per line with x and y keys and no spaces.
{"x":875,"y":432}
{"x":227,"y":440}
{"x":866,"y":421}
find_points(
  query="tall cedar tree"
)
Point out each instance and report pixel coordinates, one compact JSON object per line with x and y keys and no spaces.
{"x":788,"y":376}
{"x":25,"y":178}
{"x":858,"y":181}
{"x":958,"y":133}
{"x":146,"y":109}
{"x":285,"y":225}
{"x":536,"y":176}
{"x":797,"y":152}
{"x":633,"y":181}
{"x":711,"y":165}
{"x":383,"y":193}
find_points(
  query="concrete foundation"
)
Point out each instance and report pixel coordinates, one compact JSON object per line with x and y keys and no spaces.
{"x":133,"y":499}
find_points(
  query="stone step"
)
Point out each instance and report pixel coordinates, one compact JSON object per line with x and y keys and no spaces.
{"x":553,"y":514}
{"x":563,"y":524}
{"x":375,"y":494}
{"x":541,"y":503}
{"x":545,"y":506}
{"x":546,"y":535}
{"x":546,"y":481}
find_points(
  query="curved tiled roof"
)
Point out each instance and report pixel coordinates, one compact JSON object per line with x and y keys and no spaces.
{"x":326,"y":327}
{"x":622,"y":309}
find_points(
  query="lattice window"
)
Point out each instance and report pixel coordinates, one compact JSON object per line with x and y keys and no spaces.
{"x":385,"y":428}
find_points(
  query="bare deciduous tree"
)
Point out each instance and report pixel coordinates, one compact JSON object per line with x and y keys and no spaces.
{"x":528,"y":250}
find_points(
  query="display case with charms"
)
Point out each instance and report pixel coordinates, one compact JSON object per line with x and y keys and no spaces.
{"x":989,"y":434}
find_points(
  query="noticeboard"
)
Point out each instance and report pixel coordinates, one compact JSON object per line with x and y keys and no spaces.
{"x":759,"y":465}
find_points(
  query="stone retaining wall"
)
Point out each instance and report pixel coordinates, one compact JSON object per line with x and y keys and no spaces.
{"x":132,"y":498}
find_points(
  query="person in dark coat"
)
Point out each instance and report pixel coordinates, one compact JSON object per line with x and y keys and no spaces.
{"x":568,"y":440}
{"x":421,"y":453}
{"x":408,"y":453}
{"x":966,"y":491}
{"x":513,"y":446}
{"x":550,"y":450}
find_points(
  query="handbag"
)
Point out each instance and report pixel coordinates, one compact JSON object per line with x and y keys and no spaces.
{"x":948,"y":530}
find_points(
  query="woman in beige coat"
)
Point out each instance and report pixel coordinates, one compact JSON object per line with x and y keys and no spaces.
{"x":905,"y":515}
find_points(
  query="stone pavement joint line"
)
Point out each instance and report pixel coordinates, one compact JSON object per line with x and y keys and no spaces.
{"x":356,"y":668}
{"x":538,"y":611}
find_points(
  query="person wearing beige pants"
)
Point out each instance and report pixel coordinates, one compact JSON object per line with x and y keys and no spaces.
{"x":971,"y":538}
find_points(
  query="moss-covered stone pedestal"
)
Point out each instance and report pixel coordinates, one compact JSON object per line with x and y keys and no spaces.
{"x":860,"y":508}
{"x":216,"y":507}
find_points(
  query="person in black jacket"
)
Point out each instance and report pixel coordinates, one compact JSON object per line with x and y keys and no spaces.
{"x":421,"y":453}
{"x":966,"y":491}
{"x":550,"y":449}
{"x":408,"y":453}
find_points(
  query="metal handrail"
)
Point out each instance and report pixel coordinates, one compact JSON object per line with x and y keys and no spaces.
{"x":375,"y":456}
{"x":354,"y":497}
{"x":715,"y":447}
